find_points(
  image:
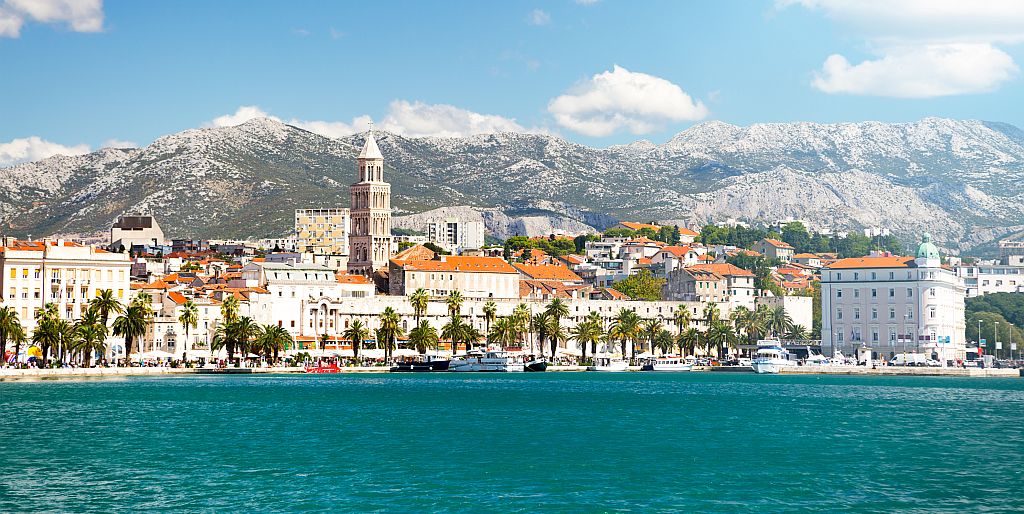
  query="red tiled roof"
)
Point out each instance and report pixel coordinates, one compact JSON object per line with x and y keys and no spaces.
{"x":778,"y":244}
{"x":637,"y":226}
{"x":462,"y":264}
{"x":872,"y":262}
{"x":177,"y":297}
{"x":723,"y":269}
{"x":683,"y":231}
{"x":547,"y":272}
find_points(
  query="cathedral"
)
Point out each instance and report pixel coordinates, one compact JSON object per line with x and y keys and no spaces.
{"x":370,"y":203}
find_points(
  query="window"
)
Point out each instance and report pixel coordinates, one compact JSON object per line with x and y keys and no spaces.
{"x":839,"y":313}
{"x":931,"y":291}
{"x":856,"y":313}
{"x":856,"y":276}
{"x":839,"y":336}
{"x":910,"y":292}
{"x":874,"y":313}
{"x":910,"y":313}
{"x":839,"y":276}
{"x":856,"y":293}
{"x":839,"y":293}
{"x":874,"y":336}
{"x":14,"y":272}
{"x":892,"y":275}
{"x":873,"y":275}
{"x":892,"y":312}
{"x":874,"y":293}
{"x":931,"y":313}
{"x":892,"y":292}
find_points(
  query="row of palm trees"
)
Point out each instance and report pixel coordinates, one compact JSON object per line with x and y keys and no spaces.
{"x":626,"y":328}
{"x":78,"y":340}
{"x":241,"y":334}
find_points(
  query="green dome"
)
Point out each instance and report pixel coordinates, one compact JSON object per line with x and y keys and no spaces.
{"x":927,"y":250}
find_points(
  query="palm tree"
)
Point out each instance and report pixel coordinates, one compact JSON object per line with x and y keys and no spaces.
{"x":357,"y":332}
{"x":92,"y":336}
{"x":585,"y":333}
{"x":324,"y":339}
{"x":419,"y":300}
{"x":271,"y":339}
{"x":595,"y":319}
{"x":720,"y":334}
{"x":798,"y":332}
{"x":229,"y":309}
{"x":688,"y":341}
{"x":423,"y":337}
{"x":555,"y":333}
{"x":189,"y":317}
{"x":539,"y":324}
{"x":663,"y":341}
{"x":131,"y":325}
{"x":746,"y":323}
{"x":681,"y":318}
{"x":69,"y":339}
{"x":521,"y":320}
{"x":105,"y":304}
{"x":625,"y":327}
{"x":558,"y":309}
{"x":778,"y":321}
{"x":711,"y":313}
{"x":390,"y":330}
{"x":504,"y":332}
{"x":17,"y":335}
{"x":8,"y":320}
{"x":46,"y":336}
{"x":454,"y":301}
{"x":650,"y":329}
{"x":456,"y":331}
{"x":490,"y":312}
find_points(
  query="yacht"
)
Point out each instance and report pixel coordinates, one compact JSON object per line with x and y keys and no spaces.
{"x":606,"y":363}
{"x":423,"y":363}
{"x":771,"y":357}
{"x":667,"y":363}
{"x":491,"y":360}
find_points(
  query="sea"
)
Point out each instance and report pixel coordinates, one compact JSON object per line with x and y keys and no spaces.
{"x":526,"y":442}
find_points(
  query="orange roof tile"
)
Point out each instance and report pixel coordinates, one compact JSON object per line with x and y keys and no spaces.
{"x":724,"y":269}
{"x":637,"y":226}
{"x":547,"y":272}
{"x":616,"y":294}
{"x":462,"y":264}
{"x":177,"y":297}
{"x":414,"y":253}
{"x":678,"y":251}
{"x":872,"y":262}
{"x":778,"y":244}
{"x":806,"y":256}
{"x":345,"y":278}
{"x":683,"y":231}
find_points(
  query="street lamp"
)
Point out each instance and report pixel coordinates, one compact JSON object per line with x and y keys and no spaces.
{"x":995,"y":337}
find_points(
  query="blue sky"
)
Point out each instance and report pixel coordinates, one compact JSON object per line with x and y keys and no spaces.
{"x":78,"y":74}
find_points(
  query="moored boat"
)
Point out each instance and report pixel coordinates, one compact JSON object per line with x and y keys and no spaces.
{"x":536,"y":365}
{"x":422,"y":364}
{"x":608,"y":364}
{"x":667,"y":363}
{"x":489,"y":361}
{"x":771,"y":357}
{"x":328,"y":368}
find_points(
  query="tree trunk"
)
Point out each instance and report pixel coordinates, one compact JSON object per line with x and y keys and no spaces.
{"x":127,"y":350}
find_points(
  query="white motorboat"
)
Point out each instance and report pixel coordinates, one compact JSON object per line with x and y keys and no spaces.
{"x":667,"y":363}
{"x":612,"y":364}
{"x":771,"y":357}
{"x":491,"y":360}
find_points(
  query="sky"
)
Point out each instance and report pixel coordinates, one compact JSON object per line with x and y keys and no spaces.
{"x":78,"y":75}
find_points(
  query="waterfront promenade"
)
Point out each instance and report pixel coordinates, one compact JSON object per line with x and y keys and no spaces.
{"x":45,"y":374}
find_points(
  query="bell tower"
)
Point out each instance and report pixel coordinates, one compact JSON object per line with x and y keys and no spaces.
{"x":370,"y":204}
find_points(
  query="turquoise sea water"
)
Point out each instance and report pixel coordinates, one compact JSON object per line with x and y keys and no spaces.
{"x":557,"y":442}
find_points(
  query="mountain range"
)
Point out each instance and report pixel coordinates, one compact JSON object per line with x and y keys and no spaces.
{"x":961,"y":180}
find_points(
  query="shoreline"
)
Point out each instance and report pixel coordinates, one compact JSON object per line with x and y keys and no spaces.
{"x":56,"y":374}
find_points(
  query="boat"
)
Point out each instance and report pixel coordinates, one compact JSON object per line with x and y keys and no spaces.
{"x":490,"y":360}
{"x":536,"y":365}
{"x":608,"y":364}
{"x":329,"y":368}
{"x":667,"y":363}
{"x":422,"y":364}
{"x":771,"y":357}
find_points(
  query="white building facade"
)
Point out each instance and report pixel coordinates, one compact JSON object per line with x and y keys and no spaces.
{"x":894,"y":305}
{"x":455,"y":235}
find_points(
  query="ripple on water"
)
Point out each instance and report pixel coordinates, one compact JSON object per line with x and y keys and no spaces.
{"x":512,"y":443}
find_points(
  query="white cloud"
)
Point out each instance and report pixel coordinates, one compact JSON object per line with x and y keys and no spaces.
{"x":413,"y":119}
{"x":587,"y":2}
{"x":119,"y":143}
{"x":79,"y":15}
{"x":924,"y":48}
{"x":34,"y":148}
{"x":333,"y":128}
{"x":240,"y":116}
{"x":417,"y":119}
{"x":622,"y":99}
{"x":920,"y":72}
{"x":538,"y":17}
